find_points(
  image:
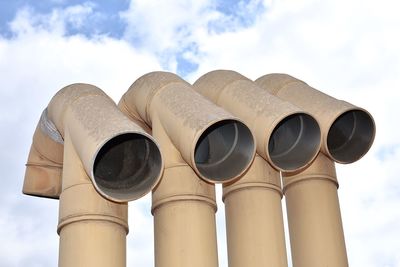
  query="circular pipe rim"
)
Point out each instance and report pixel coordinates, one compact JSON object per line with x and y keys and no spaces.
{"x":314,"y":151}
{"x":368,"y":144}
{"x":250,"y":153}
{"x":156,"y":179}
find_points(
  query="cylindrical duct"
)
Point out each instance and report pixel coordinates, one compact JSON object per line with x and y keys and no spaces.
{"x":191,"y":131}
{"x":45,"y":161}
{"x":105,"y":159}
{"x":123,"y":161}
{"x":314,"y":218}
{"x":217,"y":145}
{"x":288,"y":139}
{"x":92,"y":229}
{"x":348,"y":131}
{"x":254,"y":221}
{"x":315,"y":225}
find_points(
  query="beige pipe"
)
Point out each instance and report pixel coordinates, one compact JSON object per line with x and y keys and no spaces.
{"x":254,"y":220}
{"x":315,"y":224}
{"x":288,"y":139}
{"x":184,"y":209}
{"x":44,"y":167}
{"x":347,"y":131}
{"x":107,"y":160}
{"x":217,"y":145}
{"x":192,"y":132}
{"x":92,"y":229}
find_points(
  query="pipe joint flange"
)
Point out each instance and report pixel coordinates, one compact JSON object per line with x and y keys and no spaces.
{"x":92,"y":217}
{"x":251,"y":185}
{"x":289,"y":181}
{"x":170,"y":199}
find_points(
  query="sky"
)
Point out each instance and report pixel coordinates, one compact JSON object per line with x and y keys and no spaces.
{"x":349,"y":49}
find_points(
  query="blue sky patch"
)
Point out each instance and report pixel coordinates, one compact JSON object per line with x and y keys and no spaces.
{"x":185,"y":66}
{"x":238,"y":14}
{"x":105,"y":18}
{"x":386,"y":152}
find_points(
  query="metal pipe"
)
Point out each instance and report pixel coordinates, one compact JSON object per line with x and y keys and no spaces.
{"x":254,"y":220}
{"x":106,"y":161}
{"x":313,"y":210}
{"x":347,"y":131}
{"x":287,"y":139}
{"x":92,"y":229}
{"x":315,"y":225}
{"x":45,"y":161}
{"x":192,"y":132}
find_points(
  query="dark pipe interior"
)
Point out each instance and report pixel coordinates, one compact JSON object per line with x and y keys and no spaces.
{"x":224,"y":150}
{"x":294,"y":142}
{"x":127,"y":166}
{"x":351,"y":136}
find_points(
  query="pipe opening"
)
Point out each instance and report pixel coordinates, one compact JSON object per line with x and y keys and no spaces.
{"x":127,"y":167}
{"x":350,"y":136}
{"x":294,"y":142}
{"x":224,"y":151}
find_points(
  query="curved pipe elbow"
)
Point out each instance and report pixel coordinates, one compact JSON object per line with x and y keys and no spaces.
{"x":45,"y":161}
{"x":347,"y":131}
{"x":287,"y":137}
{"x":121,"y":159}
{"x":217,"y":145}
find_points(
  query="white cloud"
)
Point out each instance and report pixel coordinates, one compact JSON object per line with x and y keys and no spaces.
{"x":348,"y":49}
{"x":140,"y":247}
{"x":34,"y":64}
{"x":369,"y":197}
{"x":165,"y":28}
{"x":48,"y":60}
{"x":179,"y":27}
{"x":27,"y":21}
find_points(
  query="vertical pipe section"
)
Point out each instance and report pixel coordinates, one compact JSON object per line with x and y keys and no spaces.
{"x":287,"y":139}
{"x":106,"y":161}
{"x":198,"y":139}
{"x":92,"y":229}
{"x":315,"y":224}
{"x":184,"y":220}
{"x":254,"y":220}
{"x":184,"y":209}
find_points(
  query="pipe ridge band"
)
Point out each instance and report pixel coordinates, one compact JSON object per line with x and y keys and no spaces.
{"x":251,"y":185}
{"x":295,"y":180}
{"x":80,"y":184}
{"x":183,"y":197}
{"x":33,"y":164}
{"x":92,"y":217}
